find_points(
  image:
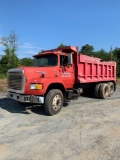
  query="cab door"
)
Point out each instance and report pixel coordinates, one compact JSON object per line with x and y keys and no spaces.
{"x":67,"y":72}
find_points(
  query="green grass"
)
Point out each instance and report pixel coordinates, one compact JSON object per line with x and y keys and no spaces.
{"x":3,"y":76}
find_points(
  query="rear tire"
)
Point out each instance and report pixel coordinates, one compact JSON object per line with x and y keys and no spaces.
{"x":104,"y":91}
{"x":97,"y":90}
{"x":53,"y":102}
{"x":111,"y":87}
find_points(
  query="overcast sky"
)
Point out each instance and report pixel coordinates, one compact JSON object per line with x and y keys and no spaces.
{"x":45,"y":24}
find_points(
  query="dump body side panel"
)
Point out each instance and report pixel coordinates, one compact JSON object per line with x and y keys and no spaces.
{"x":91,"y":69}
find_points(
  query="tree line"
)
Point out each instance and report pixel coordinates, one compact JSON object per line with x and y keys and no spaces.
{"x":10,"y":59}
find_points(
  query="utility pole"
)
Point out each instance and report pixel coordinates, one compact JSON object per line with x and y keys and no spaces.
{"x":111,"y":53}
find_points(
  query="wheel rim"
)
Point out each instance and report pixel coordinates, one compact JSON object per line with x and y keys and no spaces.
{"x":56,"y":102}
{"x":106,"y":91}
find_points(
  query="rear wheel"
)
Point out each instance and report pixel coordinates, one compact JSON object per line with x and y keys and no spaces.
{"x":104,"y":91}
{"x":53,"y":102}
{"x":97,"y":90}
{"x":111,"y":87}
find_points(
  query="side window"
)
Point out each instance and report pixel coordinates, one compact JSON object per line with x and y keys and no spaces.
{"x":63,"y":60}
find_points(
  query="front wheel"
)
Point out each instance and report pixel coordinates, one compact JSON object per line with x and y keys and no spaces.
{"x":53,"y":102}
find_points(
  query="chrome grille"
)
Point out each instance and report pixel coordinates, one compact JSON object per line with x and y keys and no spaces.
{"x":15,"y":80}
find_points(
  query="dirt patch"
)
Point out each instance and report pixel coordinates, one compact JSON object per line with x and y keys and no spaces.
{"x":3,"y":85}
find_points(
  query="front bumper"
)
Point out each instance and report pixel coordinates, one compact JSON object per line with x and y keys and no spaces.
{"x":26,"y":98}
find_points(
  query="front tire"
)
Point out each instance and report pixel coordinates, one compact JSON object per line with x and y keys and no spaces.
{"x":53,"y":102}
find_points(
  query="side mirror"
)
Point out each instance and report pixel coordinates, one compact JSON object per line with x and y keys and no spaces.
{"x":69,"y":59}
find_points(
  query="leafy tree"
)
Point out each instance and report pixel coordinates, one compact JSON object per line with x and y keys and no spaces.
{"x":116,"y":52}
{"x":116,"y":57}
{"x":10,"y":42}
{"x":61,"y":45}
{"x":105,"y":56}
{"x":87,"y":49}
{"x":26,"y":62}
{"x":10,"y":59}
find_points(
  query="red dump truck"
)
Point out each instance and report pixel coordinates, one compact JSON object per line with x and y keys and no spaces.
{"x":60,"y":74}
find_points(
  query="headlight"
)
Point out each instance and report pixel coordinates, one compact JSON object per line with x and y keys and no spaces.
{"x":36,"y":86}
{"x":33,"y":86}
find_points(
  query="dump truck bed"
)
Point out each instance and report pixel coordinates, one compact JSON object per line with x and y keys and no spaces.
{"x":92,"y":69}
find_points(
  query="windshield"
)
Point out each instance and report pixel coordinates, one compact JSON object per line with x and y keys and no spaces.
{"x":46,"y":60}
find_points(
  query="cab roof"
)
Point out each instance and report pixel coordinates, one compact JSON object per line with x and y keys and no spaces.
{"x":63,"y":50}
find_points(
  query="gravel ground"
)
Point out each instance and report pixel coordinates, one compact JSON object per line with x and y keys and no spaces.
{"x":85,"y":129}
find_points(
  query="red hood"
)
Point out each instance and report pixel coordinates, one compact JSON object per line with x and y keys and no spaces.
{"x":33,"y":72}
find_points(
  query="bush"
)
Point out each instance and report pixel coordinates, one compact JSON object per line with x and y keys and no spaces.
{"x":3,"y":76}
